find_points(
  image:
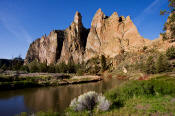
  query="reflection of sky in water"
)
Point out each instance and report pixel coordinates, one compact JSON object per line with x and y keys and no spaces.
{"x":47,"y":98}
{"x":11,"y":106}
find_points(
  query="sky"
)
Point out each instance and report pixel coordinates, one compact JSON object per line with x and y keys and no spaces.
{"x":23,"y":21}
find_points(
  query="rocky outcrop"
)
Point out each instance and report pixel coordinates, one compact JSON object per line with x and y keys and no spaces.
{"x":112,"y":35}
{"x":60,"y":45}
{"x":46,"y":49}
{"x":75,"y":41}
{"x":109,"y":36}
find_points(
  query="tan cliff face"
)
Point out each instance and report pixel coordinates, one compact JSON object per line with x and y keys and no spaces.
{"x":112,"y":35}
{"x":46,"y":49}
{"x":74,"y":42}
{"x":60,"y":45}
{"x":108,"y":36}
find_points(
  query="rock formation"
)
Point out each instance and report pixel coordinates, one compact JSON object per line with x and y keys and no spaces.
{"x":46,"y":49}
{"x":112,"y":35}
{"x":75,"y":41}
{"x":60,"y":45}
{"x":108,"y":36}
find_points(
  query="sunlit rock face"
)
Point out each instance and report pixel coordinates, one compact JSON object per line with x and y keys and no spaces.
{"x":111,"y":35}
{"x":108,"y":36}
{"x":47,"y":49}
{"x":60,"y":45}
{"x":75,"y":41}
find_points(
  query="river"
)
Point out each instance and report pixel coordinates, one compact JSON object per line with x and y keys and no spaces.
{"x":13,"y":102}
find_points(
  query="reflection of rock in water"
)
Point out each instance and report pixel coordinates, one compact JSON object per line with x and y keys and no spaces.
{"x":58,"y":98}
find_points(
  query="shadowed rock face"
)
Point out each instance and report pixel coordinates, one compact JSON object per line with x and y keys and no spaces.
{"x":107,"y":35}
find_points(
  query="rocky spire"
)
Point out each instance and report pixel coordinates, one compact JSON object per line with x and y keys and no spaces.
{"x":107,"y":36}
{"x":78,"y":18}
{"x":114,"y":15}
{"x":98,"y":18}
{"x":128,"y":18}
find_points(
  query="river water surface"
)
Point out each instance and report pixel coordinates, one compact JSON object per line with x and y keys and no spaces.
{"x":48,"y":98}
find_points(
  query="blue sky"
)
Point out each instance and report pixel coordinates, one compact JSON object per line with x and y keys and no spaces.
{"x":23,"y":21}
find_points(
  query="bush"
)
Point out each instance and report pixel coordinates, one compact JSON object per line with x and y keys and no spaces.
{"x":71,"y":67}
{"x":88,"y":101}
{"x":25,"y":68}
{"x":103,"y":103}
{"x":144,"y":48}
{"x":80,"y":72}
{"x":149,"y":67}
{"x":51,"y":68}
{"x":103,"y":63}
{"x":155,"y":65}
{"x":170,"y":52}
{"x":162,"y":64}
{"x":61,"y":67}
{"x":43,"y":67}
{"x":4,"y":67}
{"x":93,"y":65}
{"x":17,"y":63}
{"x":94,"y":70}
{"x":33,"y":66}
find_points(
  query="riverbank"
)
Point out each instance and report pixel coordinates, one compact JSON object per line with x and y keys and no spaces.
{"x":137,"y":97}
{"x":153,"y":97}
{"x":17,"y":80}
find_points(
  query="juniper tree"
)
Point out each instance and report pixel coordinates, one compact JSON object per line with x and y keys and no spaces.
{"x":169,"y":26}
{"x":103,"y":63}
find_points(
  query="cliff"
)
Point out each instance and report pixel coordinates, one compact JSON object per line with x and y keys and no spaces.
{"x":60,"y":45}
{"x":109,"y":36}
{"x":112,"y":35}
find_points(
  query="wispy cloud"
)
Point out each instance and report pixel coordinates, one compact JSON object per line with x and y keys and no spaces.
{"x":12,"y":24}
{"x":152,"y":8}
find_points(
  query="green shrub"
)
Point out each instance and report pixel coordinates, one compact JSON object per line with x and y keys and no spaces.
{"x":80,"y":72}
{"x":144,"y":48}
{"x":94,"y":69}
{"x":93,"y":65}
{"x":17,"y":63}
{"x":51,"y":68}
{"x":154,"y":65}
{"x":4,"y":67}
{"x":43,"y":67}
{"x":81,"y":69}
{"x":33,"y":66}
{"x":61,"y":67}
{"x":169,"y":25}
{"x":149,"y":67}
{"x":170,"y":52}
{"x":71,"y":67}
{"x":24,"y":68}
{"x":162,"y":64}
{"x":103,"y":63}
